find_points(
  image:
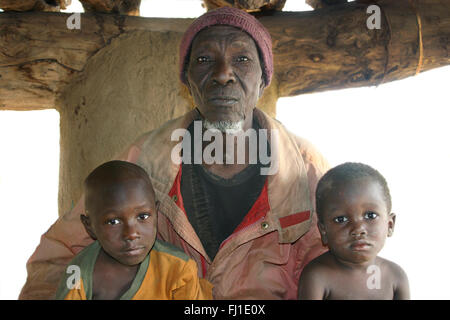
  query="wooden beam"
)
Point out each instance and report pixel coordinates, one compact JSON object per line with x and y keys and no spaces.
{"x":325,"y":49}
{"x":332,"y":48}
{"x":125,"y":7}
{"x":34,"y":5}
{"x":247,"y":5}
{"x":319,"y":4}
{"x":40,"y":55}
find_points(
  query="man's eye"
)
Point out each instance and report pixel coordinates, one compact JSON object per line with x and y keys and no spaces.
{"x":243,"y":59}
{"x":143,"y":216}
{"x":113,"y":222}
{"x":202,"y":59}
{"x":370,"y":215}
{"x":340,"y":219}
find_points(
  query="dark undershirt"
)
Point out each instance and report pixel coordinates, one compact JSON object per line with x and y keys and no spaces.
{"x":216,"y":206}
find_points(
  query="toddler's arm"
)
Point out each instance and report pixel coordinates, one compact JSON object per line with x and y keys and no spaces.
{"x":311,"y":285}
{"x":401,"y":290}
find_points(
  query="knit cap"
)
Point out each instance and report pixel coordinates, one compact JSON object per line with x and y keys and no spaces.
{"x":230,"y":17}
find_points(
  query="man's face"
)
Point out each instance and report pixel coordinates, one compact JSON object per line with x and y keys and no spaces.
{"x":123,"y":219}
{"x":224,"y":74}
{"x":355,"y":221}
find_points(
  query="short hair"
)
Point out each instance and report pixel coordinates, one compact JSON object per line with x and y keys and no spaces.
{"x":347,"y":172}
{"x":114,"y":172}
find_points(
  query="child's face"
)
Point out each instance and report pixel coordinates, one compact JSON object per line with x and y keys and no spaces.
{"x":355,"y":221}
{"x":123,"y":219}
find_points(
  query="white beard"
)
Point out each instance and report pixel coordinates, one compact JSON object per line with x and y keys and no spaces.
{"x":225,"y":126}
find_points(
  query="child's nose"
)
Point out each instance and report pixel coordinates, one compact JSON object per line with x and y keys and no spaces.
{"x":130,"y":232}
{"x":359,"y":229}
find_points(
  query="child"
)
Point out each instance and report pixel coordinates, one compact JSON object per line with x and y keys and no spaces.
{"x":353,"y":206}
{"x":126,"y":261}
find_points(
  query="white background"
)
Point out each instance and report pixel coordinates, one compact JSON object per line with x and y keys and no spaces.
{"x":400,"y":128}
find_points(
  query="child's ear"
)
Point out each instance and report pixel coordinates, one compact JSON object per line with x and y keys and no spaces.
{"x":87,"y":226}
{"x":391,"y":224}
{"x":323,"y":233}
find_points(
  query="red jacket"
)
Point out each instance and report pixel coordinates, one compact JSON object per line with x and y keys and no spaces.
{"x":264,"y":256}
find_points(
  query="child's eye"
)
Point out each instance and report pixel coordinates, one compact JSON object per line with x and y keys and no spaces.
{"x":143,"y":216}
{"x":113,"y":222}
{"x":370,"y":215}
{"x":340,"y":219}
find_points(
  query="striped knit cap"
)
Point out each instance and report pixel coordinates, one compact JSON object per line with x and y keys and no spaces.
{"x":230,"y":17}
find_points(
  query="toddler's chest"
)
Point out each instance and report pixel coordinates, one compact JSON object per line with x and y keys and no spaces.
{"x":364,"y":287}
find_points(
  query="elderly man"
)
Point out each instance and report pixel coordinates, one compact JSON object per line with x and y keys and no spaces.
{"x":251,"y":234}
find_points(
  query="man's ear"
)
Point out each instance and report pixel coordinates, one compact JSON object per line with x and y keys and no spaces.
{"x":157,"y":204}
{"x":262,"y":86}
{"x":391,"y":224}
{"x":187,"y":84}
{"x":323,"y":233}
{"x":86,"y":221}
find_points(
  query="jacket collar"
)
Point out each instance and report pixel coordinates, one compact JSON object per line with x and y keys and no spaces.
{"x":288,"y":189}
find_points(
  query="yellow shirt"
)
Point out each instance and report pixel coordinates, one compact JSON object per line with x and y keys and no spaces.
{"x":167,"y":273}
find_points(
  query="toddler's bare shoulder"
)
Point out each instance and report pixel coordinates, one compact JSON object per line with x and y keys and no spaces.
{"x":393,"y":270}
{"x":319,"y":266}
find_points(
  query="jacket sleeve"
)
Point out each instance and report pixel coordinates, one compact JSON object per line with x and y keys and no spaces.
{"x":63,"y":240}
{"x":190,"y":286}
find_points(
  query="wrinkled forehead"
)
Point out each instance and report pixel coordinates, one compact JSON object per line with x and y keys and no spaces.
{"x":222,"y":34}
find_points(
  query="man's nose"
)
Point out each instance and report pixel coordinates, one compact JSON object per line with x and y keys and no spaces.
{"x":130,"y":232}
{"x":358,"y":229}
{"x":223,"y":72}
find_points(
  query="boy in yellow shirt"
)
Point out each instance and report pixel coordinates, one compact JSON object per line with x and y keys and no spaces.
{"x":126,"y":261}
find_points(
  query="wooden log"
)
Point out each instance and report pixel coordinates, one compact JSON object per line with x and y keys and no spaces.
{"x":332,"y":48}
{"x":319,"y":4}
{"x":247,"y":5}
{"x":325,"y":49}
{"x":39,"y":54}
{"x":124,"y":7}
{"x":34,"y":5}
